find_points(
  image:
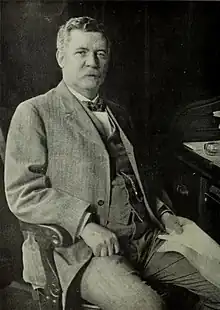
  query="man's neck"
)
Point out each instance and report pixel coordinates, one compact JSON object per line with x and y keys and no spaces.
{"x":83,"y":94}
{"x":81,"y":97}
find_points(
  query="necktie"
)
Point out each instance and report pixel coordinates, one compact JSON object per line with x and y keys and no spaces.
{"x":98,"y":106}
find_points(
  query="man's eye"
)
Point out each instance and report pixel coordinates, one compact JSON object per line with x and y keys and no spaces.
{"x":102,"y":54}
{"x":81,"y":53}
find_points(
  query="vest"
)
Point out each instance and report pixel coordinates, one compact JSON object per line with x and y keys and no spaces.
{"x":127,"y":212}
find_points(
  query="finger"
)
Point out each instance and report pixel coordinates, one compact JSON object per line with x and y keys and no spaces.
{"x":104,"y":250}
{"x":116,"y":245}
{"x":110,"y":247}
{"x":97,"y":251}
{"x":163,"y":237}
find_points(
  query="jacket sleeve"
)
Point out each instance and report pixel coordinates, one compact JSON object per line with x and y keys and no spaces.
{"x":163,"y":204}
{"x":29,"y":193}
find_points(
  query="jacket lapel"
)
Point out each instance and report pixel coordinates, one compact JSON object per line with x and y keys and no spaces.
{"x":74,"y":110}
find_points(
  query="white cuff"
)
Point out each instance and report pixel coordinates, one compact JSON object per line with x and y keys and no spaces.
{"x":83,"y":223}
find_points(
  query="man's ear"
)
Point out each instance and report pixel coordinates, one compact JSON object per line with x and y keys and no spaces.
{"x":60,"y":58}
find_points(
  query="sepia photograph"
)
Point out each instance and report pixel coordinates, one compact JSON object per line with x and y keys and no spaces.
{"x":109,"y":155}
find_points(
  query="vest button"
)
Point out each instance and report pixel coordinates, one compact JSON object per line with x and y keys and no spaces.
{"x":101,"y":202}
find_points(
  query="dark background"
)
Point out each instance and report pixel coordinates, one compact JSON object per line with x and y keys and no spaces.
{"x":164,"y":56}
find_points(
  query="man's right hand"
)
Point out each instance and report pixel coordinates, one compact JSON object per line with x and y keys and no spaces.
{"x":102,"y":241}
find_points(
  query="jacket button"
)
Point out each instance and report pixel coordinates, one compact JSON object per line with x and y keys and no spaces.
{"x":101,"y":202}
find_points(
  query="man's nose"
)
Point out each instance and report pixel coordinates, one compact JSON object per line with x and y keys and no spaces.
{"x":92,"y":60}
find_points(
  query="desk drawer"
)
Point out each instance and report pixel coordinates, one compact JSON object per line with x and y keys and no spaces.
{"x":184,"y":190}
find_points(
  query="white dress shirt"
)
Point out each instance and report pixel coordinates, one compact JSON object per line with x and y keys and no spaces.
{"x":102,"y":116}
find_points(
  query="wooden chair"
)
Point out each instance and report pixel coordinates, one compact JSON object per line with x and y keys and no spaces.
{"x":48,"y":238}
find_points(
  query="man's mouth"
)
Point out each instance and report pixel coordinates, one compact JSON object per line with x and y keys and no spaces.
{"x":92,"y":75}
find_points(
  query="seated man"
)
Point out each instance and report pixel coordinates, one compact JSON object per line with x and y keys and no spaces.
{"x":70,"y":162}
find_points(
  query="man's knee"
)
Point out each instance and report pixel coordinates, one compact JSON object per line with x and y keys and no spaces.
{"x":112,"y":284}
{"x":105,"y":272}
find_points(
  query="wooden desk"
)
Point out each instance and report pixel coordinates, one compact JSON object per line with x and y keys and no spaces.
{"x":198,"y":148}
{"x":193,"y":155}
{"x":194,"y":186}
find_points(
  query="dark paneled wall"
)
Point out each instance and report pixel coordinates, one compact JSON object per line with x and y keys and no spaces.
{"x":184,"y":55}
{"x":29,"y":43}
{"x":164,"y":54}
{"x":28,"y":49}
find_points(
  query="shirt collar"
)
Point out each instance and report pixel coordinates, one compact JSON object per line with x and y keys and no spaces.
{"x":81,"y":97}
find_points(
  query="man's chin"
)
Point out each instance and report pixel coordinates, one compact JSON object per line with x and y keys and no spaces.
{"x":91,"y":84}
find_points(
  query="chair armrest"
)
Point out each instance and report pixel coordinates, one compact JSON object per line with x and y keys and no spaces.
{"x":48,"y":235}
{"x":48,"y":238}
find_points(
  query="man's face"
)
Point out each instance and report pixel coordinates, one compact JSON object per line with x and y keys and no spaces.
{"x":84,"y":61}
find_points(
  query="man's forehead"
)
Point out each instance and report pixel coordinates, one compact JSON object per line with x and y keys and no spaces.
{"x":79,"y":38}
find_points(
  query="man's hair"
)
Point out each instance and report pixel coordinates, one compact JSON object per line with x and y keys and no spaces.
{"x":85,"y":23}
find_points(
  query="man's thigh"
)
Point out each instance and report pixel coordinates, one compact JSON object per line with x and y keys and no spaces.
{"x":173,"y":268}
{"x":111,"y":283}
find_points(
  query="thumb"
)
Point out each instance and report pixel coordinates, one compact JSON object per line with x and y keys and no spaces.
{"x":164,"y":237}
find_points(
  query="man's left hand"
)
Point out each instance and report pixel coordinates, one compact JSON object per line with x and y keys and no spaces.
{"x":171,"y":223}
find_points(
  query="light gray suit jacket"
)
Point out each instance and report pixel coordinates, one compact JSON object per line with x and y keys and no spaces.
{"x":56,"y":167}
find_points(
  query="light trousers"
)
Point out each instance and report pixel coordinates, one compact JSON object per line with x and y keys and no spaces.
{"x":111,"y":282}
